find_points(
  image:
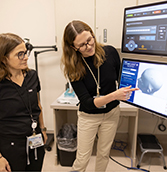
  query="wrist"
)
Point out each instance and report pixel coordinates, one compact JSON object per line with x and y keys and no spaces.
{"x":112,"y":96}
{"x":44,"y":129}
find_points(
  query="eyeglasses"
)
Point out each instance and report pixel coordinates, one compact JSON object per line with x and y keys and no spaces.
{"x":22,"y":54}
{"x":83,"y":47}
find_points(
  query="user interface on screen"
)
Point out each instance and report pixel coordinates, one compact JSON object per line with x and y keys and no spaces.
{"x":145,"y":29}
{"x":151,"y":79}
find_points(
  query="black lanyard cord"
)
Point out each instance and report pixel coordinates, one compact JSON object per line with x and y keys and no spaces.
{"x":29,"y":109}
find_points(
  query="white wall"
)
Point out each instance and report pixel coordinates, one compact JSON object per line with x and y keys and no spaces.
{"x":68,"y":10}
{"x":141,"y":2}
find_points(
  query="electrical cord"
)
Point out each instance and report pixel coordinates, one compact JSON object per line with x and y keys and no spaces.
{"x":121,"y":147}
{"x":161,"y":126}
{"x":129,"y":168}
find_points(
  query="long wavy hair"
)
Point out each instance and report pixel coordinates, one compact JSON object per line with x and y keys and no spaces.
{"x":71,"y":61}
{"x":8,"y":41}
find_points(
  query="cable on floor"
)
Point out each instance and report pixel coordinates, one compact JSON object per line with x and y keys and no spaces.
{"x":120,"y":145}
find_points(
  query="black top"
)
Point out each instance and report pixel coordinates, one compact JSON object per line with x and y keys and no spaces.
{"x":15,"y":119}
{"x":85,"y":88}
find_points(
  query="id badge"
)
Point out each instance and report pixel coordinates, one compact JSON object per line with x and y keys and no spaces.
{"x":102,"y":107}
{"x":35,"y":141}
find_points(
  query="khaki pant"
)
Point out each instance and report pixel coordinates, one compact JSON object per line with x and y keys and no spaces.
{"x":105,"y":125}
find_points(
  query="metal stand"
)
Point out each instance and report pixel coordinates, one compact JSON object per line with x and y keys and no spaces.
{"x":51,"y":48}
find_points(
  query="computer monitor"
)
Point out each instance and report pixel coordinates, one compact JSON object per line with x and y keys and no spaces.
{"x":150,"y":77}
{"x":145,"y":29}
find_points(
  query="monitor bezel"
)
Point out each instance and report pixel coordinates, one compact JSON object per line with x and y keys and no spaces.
{"x":133,"y":104}
{"x":124,"y":30}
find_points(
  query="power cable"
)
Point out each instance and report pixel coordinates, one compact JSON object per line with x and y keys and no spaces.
{"x":121,"y":147}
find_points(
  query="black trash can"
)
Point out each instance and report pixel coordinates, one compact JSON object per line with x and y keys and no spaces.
{"x":66,"y":156}
{"x":67,"y":144}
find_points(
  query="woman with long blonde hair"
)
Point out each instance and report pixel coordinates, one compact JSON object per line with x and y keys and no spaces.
{"x":93,"y":70}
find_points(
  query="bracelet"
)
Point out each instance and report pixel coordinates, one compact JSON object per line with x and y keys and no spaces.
{"x":43,"y":129}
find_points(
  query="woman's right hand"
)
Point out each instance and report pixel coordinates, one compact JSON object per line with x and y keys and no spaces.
{"x":124,"y":93}
{"x":4,"y":165}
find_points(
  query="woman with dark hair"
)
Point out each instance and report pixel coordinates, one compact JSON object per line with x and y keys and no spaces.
{"x":22,"y":131}
{"x":93,"y":70}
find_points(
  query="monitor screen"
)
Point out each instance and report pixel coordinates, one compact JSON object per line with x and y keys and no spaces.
{"x":145,"y":29}
{"x":150,"y":78}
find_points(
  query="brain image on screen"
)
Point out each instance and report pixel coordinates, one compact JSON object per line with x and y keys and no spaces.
{"x":150,"y":81}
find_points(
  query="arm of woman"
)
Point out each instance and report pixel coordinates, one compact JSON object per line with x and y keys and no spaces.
{"x":41,"y":122}
{"x":4,"y":165}
{"x":88,"y":101}
{"x":120,"y":94}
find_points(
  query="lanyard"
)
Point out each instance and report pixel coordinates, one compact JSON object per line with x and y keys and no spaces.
{"x":29,"y":109}
{"x":97,"y":83}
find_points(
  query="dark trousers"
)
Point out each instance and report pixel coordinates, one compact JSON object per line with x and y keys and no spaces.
{"x":14,"y":150}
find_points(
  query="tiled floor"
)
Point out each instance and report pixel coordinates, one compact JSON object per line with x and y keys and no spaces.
{"x":151,"y":162}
